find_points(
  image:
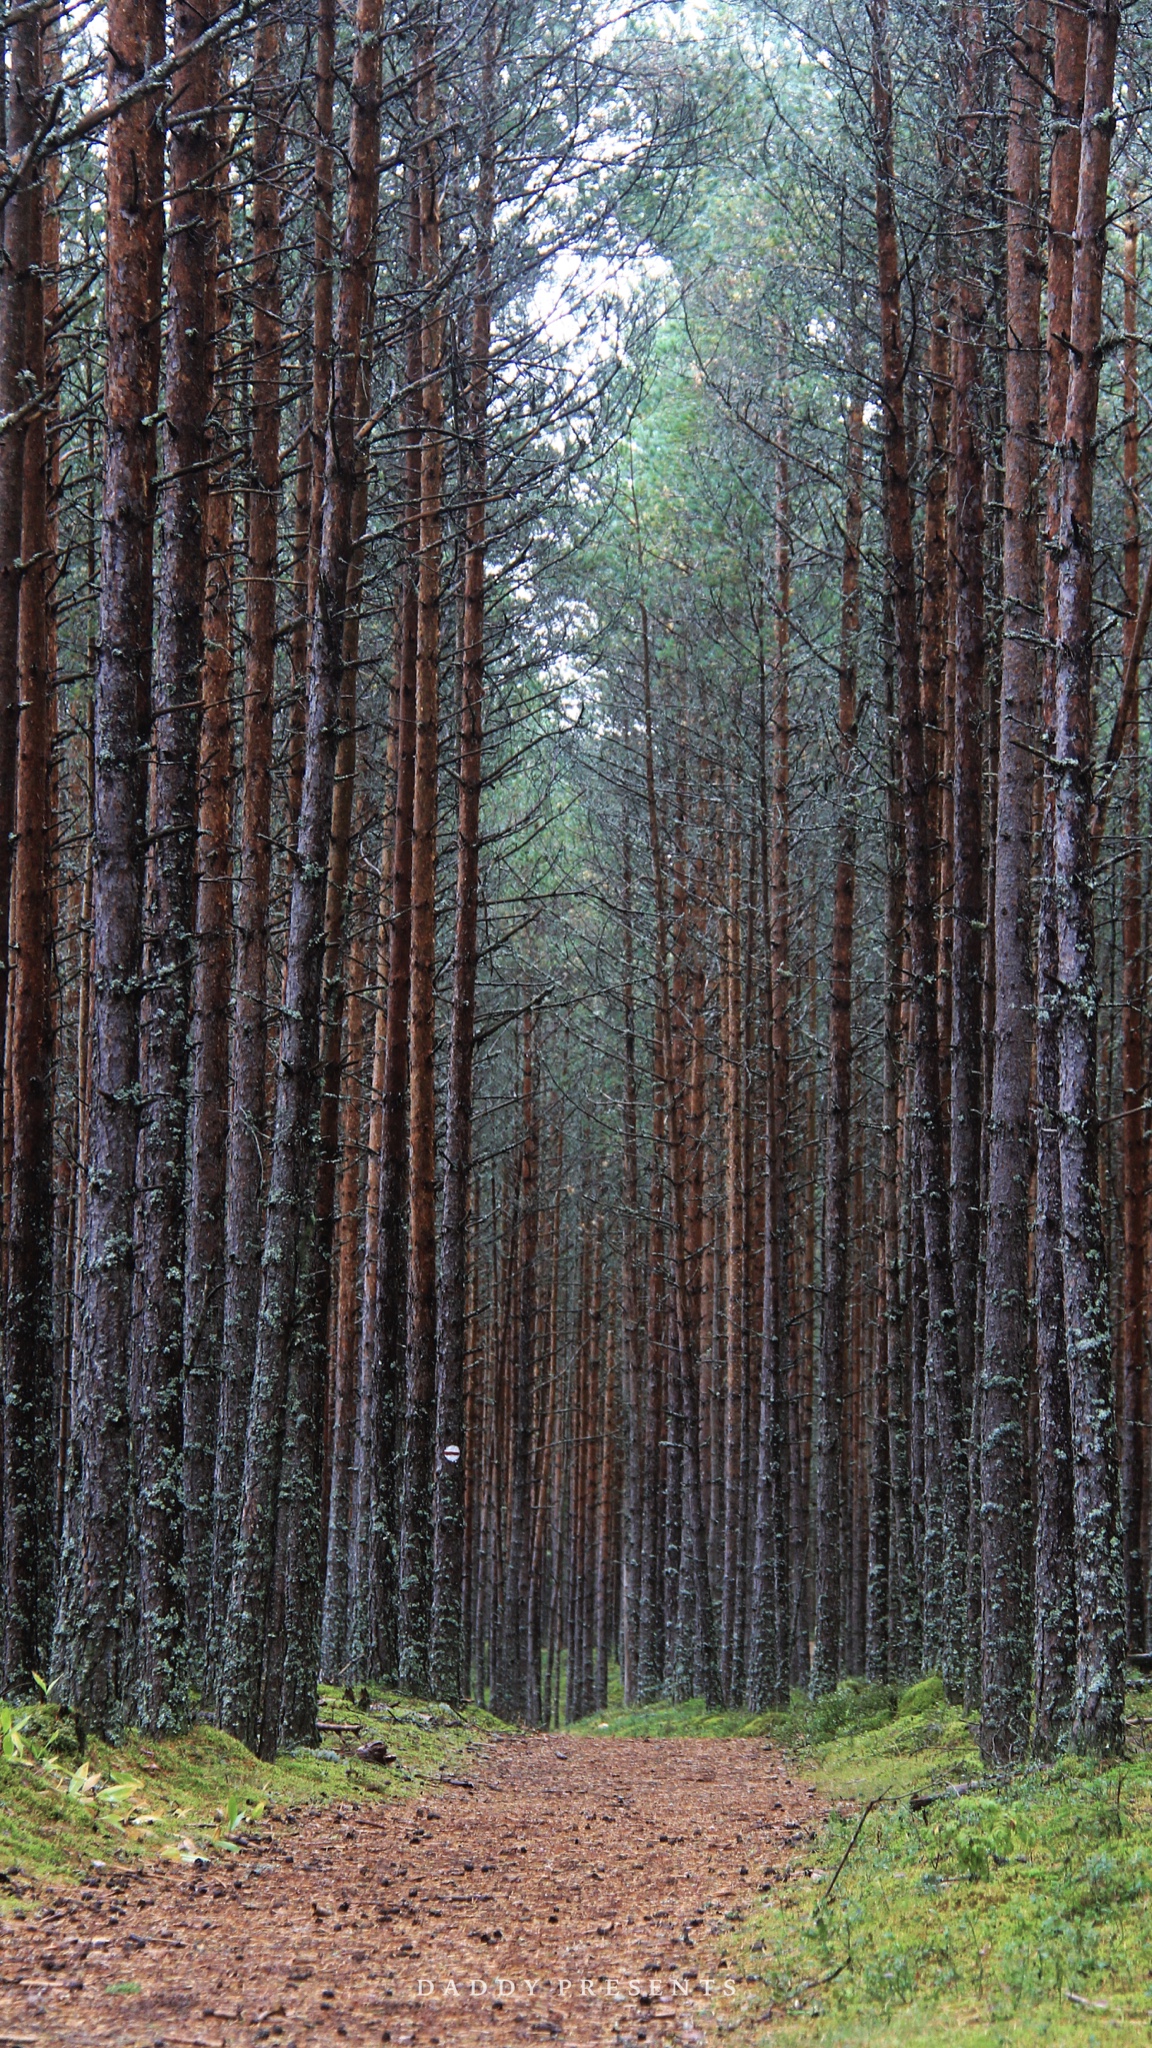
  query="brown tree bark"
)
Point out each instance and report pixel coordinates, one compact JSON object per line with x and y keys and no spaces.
{"x":636,"y":1625}
{"x":734,"y":1423}
{"x":1133,"y":1119}
{"x":248,"y":1708}
{"x":27,"y":1335}
{"x":1054,"y":1648}
{"x":248,"y":1038}
{"x":771,"y":1614}
{"x":512,"y":1690}
{"x":1098,"y":1720}
{"x":904,"y":1613}
{"x":157,"y":1359}
{"x":345,"y":1326}
{"x":445,"y":1674}
{"x":416,"y":1496}
{"x":310,"y":481}
{"x":208,"y":1132}
{"x":372,"y":1562}
{"x":91,"y":1644}
{"x":942,"y":1357}
{"x":316,"y":1388}
{"x":18,"y":284}
{"x":838,"y":1158}
{"x":967,"y":896}
{"x":685,"y":1322}
{"x":1004,"y":1493}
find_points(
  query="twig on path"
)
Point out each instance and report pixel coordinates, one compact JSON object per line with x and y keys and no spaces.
{"x":870,"y":1808}
{"x":1090,"y":2004}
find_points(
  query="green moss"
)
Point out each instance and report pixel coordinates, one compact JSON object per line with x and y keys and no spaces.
{"x":919,"y":1698}
{"x":1010,"y":1912}
{"x":201,"y":1793}
{"x":1016,"y":1908}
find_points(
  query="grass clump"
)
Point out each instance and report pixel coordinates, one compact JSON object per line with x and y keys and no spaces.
{"x":1013,"y":1910}
{"x":1016,"y":1908}
{"x":200,"y":1794}
{"x":854,"y":1706}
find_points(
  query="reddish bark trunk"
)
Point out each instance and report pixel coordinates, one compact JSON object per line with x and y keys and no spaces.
{"x":838,"y":1156}
{"x":967,"y":898}
{"x":248,"y":1042}
{"x":445,"y":1673}
{"x":27,"y":1336}
{"x":249,"y":1707}
{"x":91,"y":1647}
{"x":416,"y":1520}
{"x":208,"y":1132}
{"x":1133,"y":1138}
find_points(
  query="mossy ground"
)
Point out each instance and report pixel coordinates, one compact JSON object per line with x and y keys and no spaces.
{"x":1018,"y":1913}
{"x":198,"y":1794}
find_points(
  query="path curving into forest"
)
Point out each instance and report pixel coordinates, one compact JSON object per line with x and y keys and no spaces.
{"x":573,"y":1890}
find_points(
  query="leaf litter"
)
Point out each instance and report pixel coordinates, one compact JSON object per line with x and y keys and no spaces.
{"x":582,"y":1891}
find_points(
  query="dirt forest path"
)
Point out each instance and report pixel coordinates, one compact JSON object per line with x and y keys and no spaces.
{"x":573,"y":1890}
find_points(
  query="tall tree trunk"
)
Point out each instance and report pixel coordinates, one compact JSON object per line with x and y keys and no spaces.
{"x":309,"y":496}
{"x":301,"y":1525}
{"x":416,"y":1519}
{"x":1055,"y":1629}
{"x":248,"y":1039}
{"x":208,"y":1133}
{"x":943,"y":1371}
{"x":373,"y":1562}
{"x":682,"y":1284}
{"x":1133,"y":1139}
{"x":904,"y":1633}
{"x":968,"y":715}
{"x":445,"y":1674}
{"x":1099,"y":1703}
{"x":27,"y":1336}
{"x":92,"y":1647}
{"x":1004,"y":1492}
{"x":157,"y":1362}
{"x":636,"y":1623}
{"x":511,"y":1698}
{"x":838,"y":1143}
{"x":345,"y":1332}
{"x":20,"y":115}
{"x":246,"y":1708}
{"x":731,"y":1433}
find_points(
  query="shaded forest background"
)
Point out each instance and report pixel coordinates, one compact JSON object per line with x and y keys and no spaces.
{"x":573,"y":828}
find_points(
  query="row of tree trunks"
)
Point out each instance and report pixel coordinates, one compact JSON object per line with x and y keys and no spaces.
{"x":282,"y":1427}
{"x":943,"y":1384}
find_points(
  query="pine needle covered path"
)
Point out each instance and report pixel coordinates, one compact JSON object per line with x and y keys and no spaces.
{"x":574,"y":1890}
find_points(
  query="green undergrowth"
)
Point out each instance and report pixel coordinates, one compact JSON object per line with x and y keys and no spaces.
{"x":201,"y":1794}
{"x":1016,"y":1910}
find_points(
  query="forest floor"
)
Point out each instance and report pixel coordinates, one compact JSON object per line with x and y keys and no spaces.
{"x":1001,"y":1911}
{"x":840,"y":1876}
{"x":546,"y":1888}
